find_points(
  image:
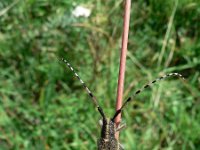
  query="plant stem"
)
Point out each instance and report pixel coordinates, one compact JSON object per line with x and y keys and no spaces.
{"x":121,"y":76}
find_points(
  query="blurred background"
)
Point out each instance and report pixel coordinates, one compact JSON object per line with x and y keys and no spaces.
{"x":43,"y":106}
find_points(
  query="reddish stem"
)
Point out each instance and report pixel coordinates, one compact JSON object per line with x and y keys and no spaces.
{"x":120,"y":88}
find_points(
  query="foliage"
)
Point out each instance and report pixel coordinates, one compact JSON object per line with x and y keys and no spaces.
{"x":42,"y":106}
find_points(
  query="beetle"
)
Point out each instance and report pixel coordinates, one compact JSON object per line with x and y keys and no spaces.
{"x":107,"y":140}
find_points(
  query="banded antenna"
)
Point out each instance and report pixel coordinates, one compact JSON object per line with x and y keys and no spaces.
{"x":145,"y":87}
{"x":93,"y":98}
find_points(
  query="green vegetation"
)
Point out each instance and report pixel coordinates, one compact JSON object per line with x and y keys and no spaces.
{"x":42,"y":105}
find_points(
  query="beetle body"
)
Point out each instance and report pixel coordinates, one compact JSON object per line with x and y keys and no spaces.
{"x":108,"y":140}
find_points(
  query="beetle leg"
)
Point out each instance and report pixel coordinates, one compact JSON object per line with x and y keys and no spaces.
{"x":120,"y":127}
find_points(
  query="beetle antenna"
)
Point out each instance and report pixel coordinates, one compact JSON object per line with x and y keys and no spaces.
{"x":145,"y":87}
{"x":93,"y":98}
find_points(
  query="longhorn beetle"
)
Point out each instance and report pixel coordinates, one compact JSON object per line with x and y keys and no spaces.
{"x":107,"y":140}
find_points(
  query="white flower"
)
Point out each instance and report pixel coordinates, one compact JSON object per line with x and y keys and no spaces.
{"x":81,"y":11}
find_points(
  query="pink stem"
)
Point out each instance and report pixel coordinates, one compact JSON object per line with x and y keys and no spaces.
{"x":120,"y":88}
